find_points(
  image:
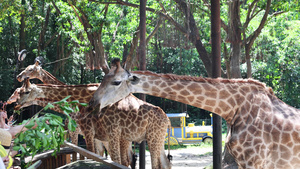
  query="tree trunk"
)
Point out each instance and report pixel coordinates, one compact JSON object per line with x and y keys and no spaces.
{"x":57,"y":64}
{"x":235,"y":61}
{"x":41,"y":43}
{"x":248,"y":61}
{"x":234,"y":37}
{"x":227,"y":61}
{"x":131,"y":57}
{"x":22,"y":30}
{"x":194,"y":36}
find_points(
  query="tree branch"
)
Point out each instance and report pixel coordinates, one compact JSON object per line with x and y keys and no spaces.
{"x":254,"y":35}
{"x":50,"y":40}
{"x":159,"y":22}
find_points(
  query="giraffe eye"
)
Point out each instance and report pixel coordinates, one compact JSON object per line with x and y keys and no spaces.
{"x":116,"y":83}
{"x":26,"y":92}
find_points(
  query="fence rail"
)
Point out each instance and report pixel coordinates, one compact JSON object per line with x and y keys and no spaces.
{"x":64,"y":157}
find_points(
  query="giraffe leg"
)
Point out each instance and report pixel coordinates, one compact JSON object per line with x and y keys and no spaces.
{"x":154,"y":154}
{"x":156,"y":147}
{"x":114,"y":148}
{"x":87,"y":131}
{"x":125,"y":147}
{"x":74,"y":136}
{"x":89,"y":140}
{"x":99,"y":147}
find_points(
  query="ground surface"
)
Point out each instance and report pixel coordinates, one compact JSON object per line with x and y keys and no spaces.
{"x":189,"y":158}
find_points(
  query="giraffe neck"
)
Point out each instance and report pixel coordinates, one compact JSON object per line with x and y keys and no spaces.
{"x":48,"y":78}
{"x":43,"y":94}
{"x":53,"y":93}
{"x":221,"y":96}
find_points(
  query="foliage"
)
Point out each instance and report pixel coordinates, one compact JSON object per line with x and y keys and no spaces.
{"x":44,"y":137}
{"x":49,"y":132}
{"x":276,"y":58}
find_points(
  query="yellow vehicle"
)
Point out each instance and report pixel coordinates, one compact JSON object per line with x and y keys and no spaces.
{"x":180,"y":133}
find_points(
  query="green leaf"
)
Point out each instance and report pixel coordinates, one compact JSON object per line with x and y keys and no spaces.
{"x":74,"y":101}
{"x":22,"y":148}
{"x":40,"y":135}
{"x":69,"y":109}
{"x":83,"y":104}
{"x":77,"y":109}
{"x":16,"y":148}
{"x":54,"y":122}
{"x":45,"y":142}
{"x":70,"y":126}
{"x":30,"y":125}
{"x":54,"y":140}
{"x":66,"y":98}
{"x":48,"y":106}
{"x":21,"y":136}
{"x":37,"y":144}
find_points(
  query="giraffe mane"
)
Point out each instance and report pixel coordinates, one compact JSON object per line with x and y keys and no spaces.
{"x":63,"y":86}
{"x":208,"y":80}
{"x":50,"y":75}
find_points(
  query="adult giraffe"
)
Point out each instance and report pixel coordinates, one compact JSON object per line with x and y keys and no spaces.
{"x":265,"y":132}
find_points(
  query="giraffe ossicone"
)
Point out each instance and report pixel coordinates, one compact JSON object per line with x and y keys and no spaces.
{"x":264,"y":131}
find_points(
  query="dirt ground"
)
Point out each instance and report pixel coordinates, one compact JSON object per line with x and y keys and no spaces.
{"x":189,"y":158}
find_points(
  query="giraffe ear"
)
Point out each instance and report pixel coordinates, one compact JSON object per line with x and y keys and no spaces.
{"x":134,"y":80}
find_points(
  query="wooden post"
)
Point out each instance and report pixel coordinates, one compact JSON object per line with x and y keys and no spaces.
{"x":142,"y":59}
{"x":216,"y":72}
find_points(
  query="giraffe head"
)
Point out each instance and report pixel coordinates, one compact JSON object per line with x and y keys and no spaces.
{"x":116,"y":85}
{"x":25,"y":94}
{"x":13,"y":98}
{"x":32,"y":71}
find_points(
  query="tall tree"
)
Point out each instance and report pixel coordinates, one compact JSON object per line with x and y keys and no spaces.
{"x":94,"y":35}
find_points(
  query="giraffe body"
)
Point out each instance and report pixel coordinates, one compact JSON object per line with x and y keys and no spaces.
{"x":264,"y":131}
{"x":128,"y":120}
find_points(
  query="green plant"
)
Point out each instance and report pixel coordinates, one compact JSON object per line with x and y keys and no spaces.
{"x":49,"y":132}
